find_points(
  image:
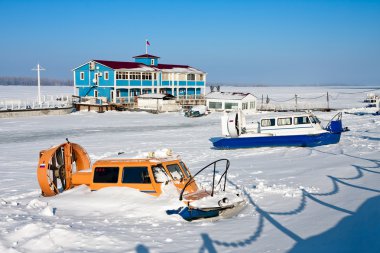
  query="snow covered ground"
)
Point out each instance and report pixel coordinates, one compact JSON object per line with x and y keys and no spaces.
{"x":322,"y":199}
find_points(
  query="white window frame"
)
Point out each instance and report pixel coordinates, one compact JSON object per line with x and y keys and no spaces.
{"x":81,"y":75}
{"x":106,"y":75}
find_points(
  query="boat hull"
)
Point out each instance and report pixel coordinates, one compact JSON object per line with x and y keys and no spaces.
{"x":276,"y":141}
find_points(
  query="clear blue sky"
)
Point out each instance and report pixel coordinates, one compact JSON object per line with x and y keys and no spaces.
{"x":261,"y":42}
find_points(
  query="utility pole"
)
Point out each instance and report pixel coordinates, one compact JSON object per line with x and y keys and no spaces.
{"x":295,"y":96}
{"x":38,"y":69}
{"x":328,"y":102}
{"x":262,"y":101}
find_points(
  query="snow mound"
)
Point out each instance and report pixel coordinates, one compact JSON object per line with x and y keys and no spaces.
{"x":116,"y":201}
{"x":36,"y":203}
{"x":48,"y":211}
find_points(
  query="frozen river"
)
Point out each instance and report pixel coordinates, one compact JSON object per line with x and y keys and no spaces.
{"x":322,"y":199}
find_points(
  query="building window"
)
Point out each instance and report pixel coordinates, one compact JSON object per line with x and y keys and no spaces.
{"x":136,"y":175}
{"x":81,"y":75}
{"x":135,"y":75}
{"x":268,"y":122}
{"x":122,"y":75}
{"x":151,"y":61}
{"x":200,"y":77}
{"x":191,"y":77}
{"x":252,"y":105}
{"x":165,"y":76}
{"x":215,"y":105}
{"x":245,"y":106}
{"x":146,"y":76}
{"x":95,"y":93}
{"x":229,"y":106}
{"x":106,"y":175}
{"x":284,"y":121}
{"x":301,"y":120}
{"x":106,"y":75}
{"x":117,"y":93}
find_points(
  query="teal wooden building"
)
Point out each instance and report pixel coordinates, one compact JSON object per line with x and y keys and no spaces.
{"x":123,"y":81}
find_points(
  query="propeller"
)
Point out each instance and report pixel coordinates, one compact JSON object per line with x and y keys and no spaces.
{"x":57,"y":167}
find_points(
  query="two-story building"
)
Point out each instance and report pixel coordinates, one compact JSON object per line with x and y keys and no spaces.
{"x":123,"y":81}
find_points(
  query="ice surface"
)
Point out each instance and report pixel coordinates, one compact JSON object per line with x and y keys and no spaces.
{"x":296,"y":196}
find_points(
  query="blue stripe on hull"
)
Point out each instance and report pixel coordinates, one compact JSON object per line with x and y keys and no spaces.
{"x":276,"y":141}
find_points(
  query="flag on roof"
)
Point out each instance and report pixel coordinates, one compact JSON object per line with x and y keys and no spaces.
{"x":147,"y":42}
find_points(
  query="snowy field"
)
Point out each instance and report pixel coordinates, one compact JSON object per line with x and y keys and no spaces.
{"x":322,"y":199}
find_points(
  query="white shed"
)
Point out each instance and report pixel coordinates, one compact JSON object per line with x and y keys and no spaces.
{"x":229,"y":101}
{"x":157,"y":102}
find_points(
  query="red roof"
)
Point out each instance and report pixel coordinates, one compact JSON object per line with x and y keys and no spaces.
{"x":146,"y":56}
{"x":121,"y":64}
{"x":134,"y":65}
{"x":171,"y":66}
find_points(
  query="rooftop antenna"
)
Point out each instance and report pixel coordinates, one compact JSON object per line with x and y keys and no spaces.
{"x":38,"y":69}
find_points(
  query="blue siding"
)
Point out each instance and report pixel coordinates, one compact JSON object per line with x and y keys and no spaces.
{"x":89,"y":75}
{"x":147,"y":82}
{"x":135,"y":82}
{"x":83,"y":91}
{"x":147,"y":61}
{"x":85,"y":70}
{"x":121,"y":82}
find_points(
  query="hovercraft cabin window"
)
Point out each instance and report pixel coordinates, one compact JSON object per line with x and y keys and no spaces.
{"x":176,"y":172}
{"x":136,"y":175}
{"x":268,"y":122}
{"x":284,"y":121}
{"x":185,"y":170}
{"x":301,"y":120}
{"x":106,"y":174}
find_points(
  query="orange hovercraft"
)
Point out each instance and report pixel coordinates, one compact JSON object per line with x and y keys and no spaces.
{"x":68,"y":165}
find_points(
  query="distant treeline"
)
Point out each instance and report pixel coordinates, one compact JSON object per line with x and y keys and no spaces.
{"x":32,"y":81}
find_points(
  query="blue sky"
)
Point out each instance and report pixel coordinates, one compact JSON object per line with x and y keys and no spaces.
{"x":242,"y":42}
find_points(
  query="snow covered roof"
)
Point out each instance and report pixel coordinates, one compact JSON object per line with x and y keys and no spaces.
{"x":178,"y":68}
{"x":227,"y":95}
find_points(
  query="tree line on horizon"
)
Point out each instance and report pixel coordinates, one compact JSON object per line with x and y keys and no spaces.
{"x":32,"y":81}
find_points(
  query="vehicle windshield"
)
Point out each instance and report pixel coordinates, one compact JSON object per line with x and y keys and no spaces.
{"x":159,"y":174}
{"x":175,"y":171}
{"x":184,"y":168}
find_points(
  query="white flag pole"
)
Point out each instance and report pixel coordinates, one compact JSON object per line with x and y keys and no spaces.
{"x":146,"y":46}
